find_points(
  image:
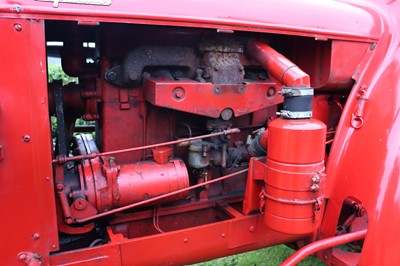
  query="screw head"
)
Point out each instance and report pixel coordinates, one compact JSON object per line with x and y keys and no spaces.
{"x":18,"y":27}
{"x":26,"y":138}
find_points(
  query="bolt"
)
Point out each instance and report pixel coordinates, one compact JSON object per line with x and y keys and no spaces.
{"x":36,"y":236}
{"x":252,"y":228}
{"x":314,"y":187}
{"x":223,"y":235}
{"x":80,"y":204}
{"x":22,"y":256}
{"x":185,"y":240}
{"x":372,"y":46}
{"x":26,"y":138}
{"x":16,"y":9}
{"x":112,"y":76}
{"x":178,"y":93}
{"x":68,"y":220}
{"x":18,"y":27}
{"x":217,"y":90}
{"x":47,"y":178}
{"x":316,"y":179}
{"x":60,"y":187}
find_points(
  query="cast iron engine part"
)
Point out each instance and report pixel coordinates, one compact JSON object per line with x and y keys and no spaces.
{"x":129,"y":73}
{"x":222,"y":63}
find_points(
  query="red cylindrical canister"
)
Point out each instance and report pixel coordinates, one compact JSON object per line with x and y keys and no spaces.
{"x":112,"y":186}
{"x":148,"y":179}
{"x":295,"y":174}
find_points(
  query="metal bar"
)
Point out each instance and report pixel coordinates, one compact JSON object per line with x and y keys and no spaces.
{"x":323,"y":244}
{"x":63,"y":159}
{"x":127,"y":207}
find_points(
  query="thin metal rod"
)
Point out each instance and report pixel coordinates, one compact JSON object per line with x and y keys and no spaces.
{"x":127,"y":207}
{"x":323,"y":244}
{"x":63,"y":159}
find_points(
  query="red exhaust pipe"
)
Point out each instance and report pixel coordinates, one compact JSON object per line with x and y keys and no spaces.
{"x":277,"y":65}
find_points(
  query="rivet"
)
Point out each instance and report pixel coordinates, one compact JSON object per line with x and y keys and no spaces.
{"x":26,"y":138}
{"x":185,"y":240}
{"x":223,"y":235}
{"x":36,"y":236}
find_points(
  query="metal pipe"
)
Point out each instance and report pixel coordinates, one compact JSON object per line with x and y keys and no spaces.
{"x":278,"y":65}
{"x":127,"y":207}
{"x":63,"y":159}
{"x":323,"y":244}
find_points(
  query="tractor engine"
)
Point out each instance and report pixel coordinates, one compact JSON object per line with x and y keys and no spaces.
{"x":164,"y":126}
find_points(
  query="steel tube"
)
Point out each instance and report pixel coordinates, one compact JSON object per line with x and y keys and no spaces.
{"x":278,"y":65}
{"x":323,"y":244}
{"x":64,"y":159}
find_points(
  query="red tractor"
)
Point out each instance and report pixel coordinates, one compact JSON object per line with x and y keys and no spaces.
{"x":212,"y":128}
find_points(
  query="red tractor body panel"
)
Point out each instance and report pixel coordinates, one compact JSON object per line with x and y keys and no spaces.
{"x":162,"y":179}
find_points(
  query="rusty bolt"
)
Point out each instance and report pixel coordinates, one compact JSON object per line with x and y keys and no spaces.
{"x":36,"y":236}
{"x":18,"y":27}
{"x":26,"y":138}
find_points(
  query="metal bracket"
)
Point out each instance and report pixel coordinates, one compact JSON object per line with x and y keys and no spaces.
{"x":356,"y":118}
{"x":296,"y":91}
{"x":294,"y":115}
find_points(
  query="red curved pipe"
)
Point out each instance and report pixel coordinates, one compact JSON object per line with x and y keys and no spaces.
{"x":277,"y":65}
{"x":323,"y":244}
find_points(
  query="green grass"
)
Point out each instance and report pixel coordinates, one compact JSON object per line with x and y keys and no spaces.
{"x":264,"y":257}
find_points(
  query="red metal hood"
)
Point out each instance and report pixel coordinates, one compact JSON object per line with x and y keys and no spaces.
{"x":320,"y":19}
